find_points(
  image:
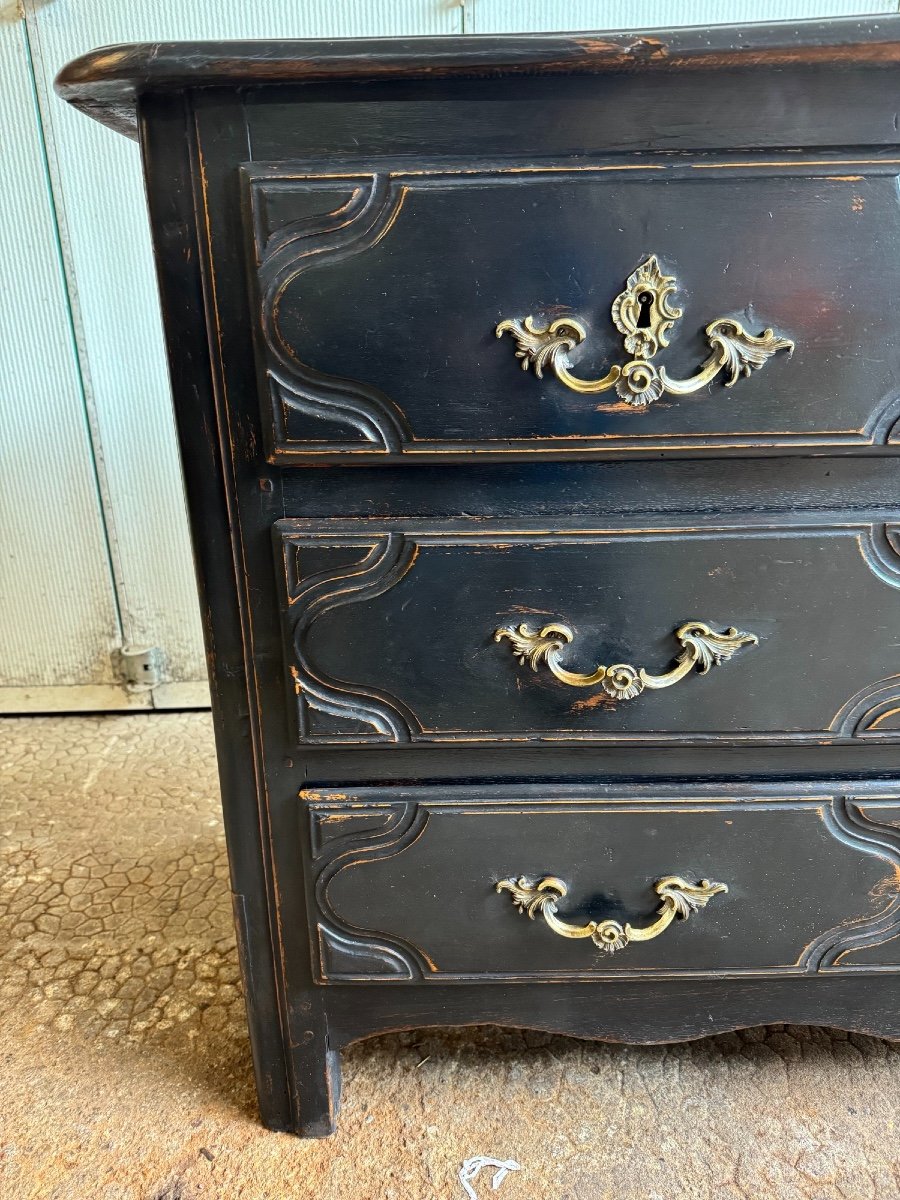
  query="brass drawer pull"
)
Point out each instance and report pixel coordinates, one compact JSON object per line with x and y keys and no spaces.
{"x":644,"y":314}
{"x":702,"y":648}
{"x":679,"y":899}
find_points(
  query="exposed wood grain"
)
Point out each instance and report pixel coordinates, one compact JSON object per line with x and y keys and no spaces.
{"x":106,"y":83}
{"x":532,"y":16}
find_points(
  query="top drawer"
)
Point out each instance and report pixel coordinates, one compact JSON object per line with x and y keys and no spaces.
{"x":633,"y":292}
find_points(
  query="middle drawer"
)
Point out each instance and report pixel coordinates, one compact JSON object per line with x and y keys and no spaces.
{"x":485,"y":631}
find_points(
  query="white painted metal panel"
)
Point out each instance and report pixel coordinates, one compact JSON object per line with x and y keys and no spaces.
{"x":103,"y":224}
{"x":534,"y":16}
{"x":103,"y":229}
{"x":57,"y":606}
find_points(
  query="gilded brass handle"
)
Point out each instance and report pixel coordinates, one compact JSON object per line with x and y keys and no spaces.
{"x":679,"y":899}
{"x":702,"y":648}
{"x":644,"y":314}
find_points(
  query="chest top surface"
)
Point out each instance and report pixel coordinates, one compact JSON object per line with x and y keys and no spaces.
{"x":107,"y":83}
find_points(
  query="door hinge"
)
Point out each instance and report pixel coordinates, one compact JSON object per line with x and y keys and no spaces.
{"x":140,"y":667}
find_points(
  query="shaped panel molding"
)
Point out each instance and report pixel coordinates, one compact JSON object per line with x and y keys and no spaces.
{"x":375,"y":318}
{"x":361,"y":570}
{"x":357,"y":214}
{"x":832,"y":950}
{"x":416,"y":900}
{"x":347,"y":953}
{"x":390,"y":634}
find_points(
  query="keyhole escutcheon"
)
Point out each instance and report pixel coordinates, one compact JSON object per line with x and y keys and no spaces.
{"x":645,"y":300}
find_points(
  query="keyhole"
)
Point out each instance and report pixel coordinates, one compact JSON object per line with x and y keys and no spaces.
{"x":645,"y":300}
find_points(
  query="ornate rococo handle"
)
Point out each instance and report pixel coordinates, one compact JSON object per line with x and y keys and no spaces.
{"x":679,"y":899}
{"x":644,"y":314}
{"x":702,"y":648}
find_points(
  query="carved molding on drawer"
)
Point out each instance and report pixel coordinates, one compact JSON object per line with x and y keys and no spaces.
{"x":345,"y":215}
{"x":853,"y":827}
{"x":385,"y":560}
{"x":882,"y":551}
{"x":361,"y":825}
{"x":883,"y":427}
{"x":343,"y":957}
{"x":865,"y":916}
{"x":352,"y":567}
{"x":346,"y":952}
{"x":355,"y":225}
{"x":872,"y":712}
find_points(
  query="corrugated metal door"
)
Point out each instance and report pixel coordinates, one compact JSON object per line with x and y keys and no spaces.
{"x":95,"y":550}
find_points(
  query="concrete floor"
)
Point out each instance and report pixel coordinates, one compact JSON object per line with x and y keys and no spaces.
{"x":126,"y":1073}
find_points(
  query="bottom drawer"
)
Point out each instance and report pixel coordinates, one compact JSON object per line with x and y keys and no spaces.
{"x":438,"y":884}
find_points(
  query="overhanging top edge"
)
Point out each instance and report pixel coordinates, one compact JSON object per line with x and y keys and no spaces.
{"x":107,"y":82}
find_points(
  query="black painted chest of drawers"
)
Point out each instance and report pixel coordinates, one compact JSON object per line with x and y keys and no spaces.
{"x":539,"y":404}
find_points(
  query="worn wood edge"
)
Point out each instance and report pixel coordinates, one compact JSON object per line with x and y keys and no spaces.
{"x":447,"y":795}
{"x":169,"y":155}
{"x":107,"y":83}
{"x":629,"y":1013}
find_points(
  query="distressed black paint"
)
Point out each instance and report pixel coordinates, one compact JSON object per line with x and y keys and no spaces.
{"x":766,"y":181}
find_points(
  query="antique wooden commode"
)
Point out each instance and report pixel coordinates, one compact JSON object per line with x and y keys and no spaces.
{"x":495,"y":360}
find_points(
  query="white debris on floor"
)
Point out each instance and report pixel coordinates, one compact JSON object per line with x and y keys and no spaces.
{"x":470,"y":1168}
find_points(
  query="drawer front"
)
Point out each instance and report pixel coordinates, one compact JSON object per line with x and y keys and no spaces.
{"x":379,"y":295}
{"x":405,"y":884}
{"x":483,"y":632}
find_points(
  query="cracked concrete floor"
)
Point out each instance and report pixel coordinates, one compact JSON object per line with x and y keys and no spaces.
{"x":126,"y":1074}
